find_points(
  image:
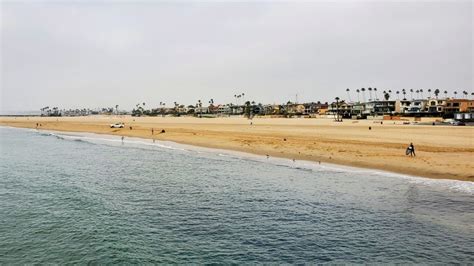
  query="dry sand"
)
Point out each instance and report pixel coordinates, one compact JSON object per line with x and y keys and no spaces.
{"x":442,"y":151}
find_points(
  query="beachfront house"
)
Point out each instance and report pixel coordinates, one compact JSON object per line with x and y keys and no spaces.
{"x":435,"y":106}
{"x":402,"y":106}
{"x":313,"y":108}
{"x":268,"y":109}
{"x":200,"y":110}
{"x":237,"y":109}
{"x":343,"y":108}
{"x":190,"y":109}
{"x":317,"y":107}
{"x":80,"y":112}
{"x":458,"y":106}
{"x":323,"y":109}
{"x":275,"y":109}
{"x":417,"y":106}
{"x":379,"y":107}
{"x":295,"y":109}
{"x":182,"y":110}
{"x":258,"y":109}
{"x":358,"y":110}
{"x":224,"y":110}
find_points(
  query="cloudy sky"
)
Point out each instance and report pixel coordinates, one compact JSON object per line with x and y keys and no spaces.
{"x":102,"y":53}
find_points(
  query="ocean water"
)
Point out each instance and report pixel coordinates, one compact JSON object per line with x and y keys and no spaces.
{"x":85,"y":198}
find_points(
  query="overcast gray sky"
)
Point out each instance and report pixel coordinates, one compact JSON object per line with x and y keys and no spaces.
{"x":102,"y":53}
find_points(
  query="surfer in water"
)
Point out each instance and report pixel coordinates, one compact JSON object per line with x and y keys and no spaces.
{"x":411,"y":150}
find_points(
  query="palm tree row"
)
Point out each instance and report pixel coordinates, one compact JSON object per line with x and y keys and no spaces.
{"x":387,"y":94}
{"x":238,"y":96}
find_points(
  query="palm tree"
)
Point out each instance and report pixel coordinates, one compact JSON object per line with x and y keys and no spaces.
{"x":398,"y":95}
{"x":116,"y":108}
{"x":200,"y":107}
{"x":211,"y":105}
{"x":446,"y":94}
{"x":465,"y":94}
{"x":337,"y":108}
{"x":418,"y":94}
{"x":421,"y":93}
{"x":370,"y":94}
{"x":429,"y":91}
{"x":176,"y":105}
{"x":436,"y":93}
{"x":363,"y":93}
{"x":390,"y":93}
{"x":348,"y":94}
{"x":162,"y":108}
{"x":358,"y":92}
{"x":455,"y":93}
{"x":411,"y":92}
{"x":386,"y":95}
{"x":247,"y":109}
{"x":375,"y":91}
{"x":404,"y":93}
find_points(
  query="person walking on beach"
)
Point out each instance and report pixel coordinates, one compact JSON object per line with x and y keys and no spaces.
{"x":152,"y":131}
{"x":122,"y":139}
{"x":411,"y":150}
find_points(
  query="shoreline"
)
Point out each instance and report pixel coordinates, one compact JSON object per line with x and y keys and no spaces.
{"x":278,"y":161}
{"x":281,"y":139}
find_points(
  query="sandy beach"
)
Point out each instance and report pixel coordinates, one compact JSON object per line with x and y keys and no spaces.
{"x":444,"y":152}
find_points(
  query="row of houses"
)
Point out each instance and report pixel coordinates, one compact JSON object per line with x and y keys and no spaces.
{"x":55,"y":111}
{"x":254,"y":109}
{"x":417,"y":107}
{"x":249,"y":109}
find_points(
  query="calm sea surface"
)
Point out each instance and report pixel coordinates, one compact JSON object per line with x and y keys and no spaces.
{"x":67,"y":198}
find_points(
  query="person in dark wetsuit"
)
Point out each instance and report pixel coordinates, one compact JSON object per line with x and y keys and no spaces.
{"x":411,"y":150}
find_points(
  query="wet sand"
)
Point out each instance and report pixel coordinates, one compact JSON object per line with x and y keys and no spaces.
{"x":445,"y":152}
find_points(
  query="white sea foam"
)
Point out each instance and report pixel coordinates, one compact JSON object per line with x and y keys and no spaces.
{"x":108,"y":139}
